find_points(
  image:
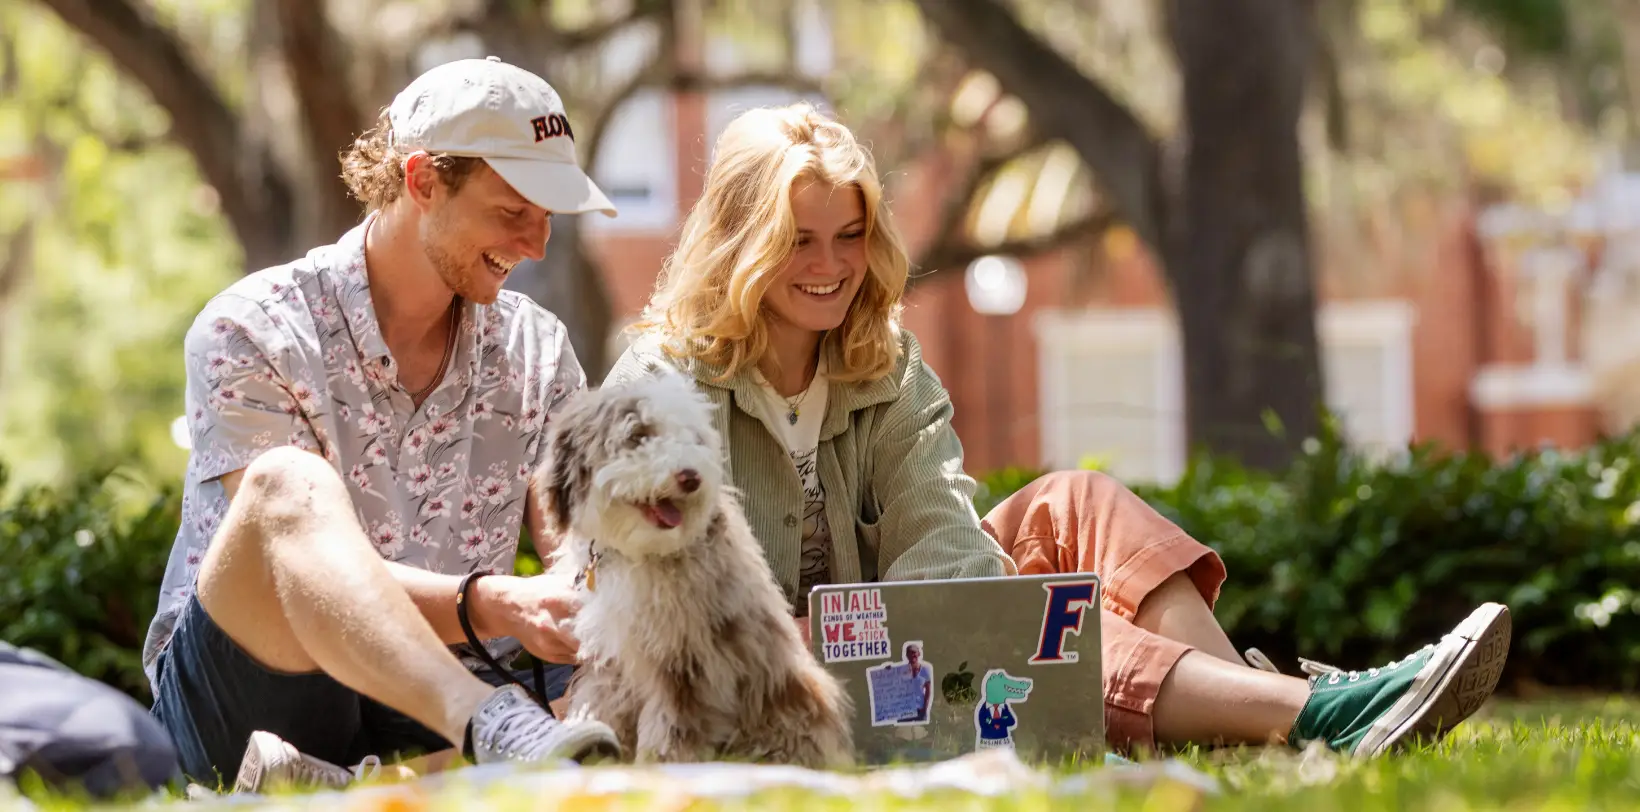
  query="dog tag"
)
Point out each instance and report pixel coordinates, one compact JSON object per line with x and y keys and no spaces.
{"x":592,"y":579}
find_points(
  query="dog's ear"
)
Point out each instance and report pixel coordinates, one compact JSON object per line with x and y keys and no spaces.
{"x":560,"y":479}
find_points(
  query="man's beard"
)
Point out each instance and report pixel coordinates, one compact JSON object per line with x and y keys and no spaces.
{"x":458,"y":276}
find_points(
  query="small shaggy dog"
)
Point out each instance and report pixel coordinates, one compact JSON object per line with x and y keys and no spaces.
{"x":687,"y":648}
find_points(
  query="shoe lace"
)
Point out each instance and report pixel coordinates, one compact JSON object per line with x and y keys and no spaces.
{"x":367,"y":769}
{"x":1334,"y":674}
{"x":523,"y":731}
{"x":1314,"y":668}
{"x":310,"y":769}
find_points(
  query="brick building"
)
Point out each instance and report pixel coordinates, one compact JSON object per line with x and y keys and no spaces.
{"x":1435,"y":324}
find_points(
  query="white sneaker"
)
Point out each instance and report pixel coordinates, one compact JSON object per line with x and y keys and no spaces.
{"x":273,"y":763}
{"x":509,"y":726}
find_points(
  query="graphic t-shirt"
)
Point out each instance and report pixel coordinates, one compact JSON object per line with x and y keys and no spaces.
{"x":802,"y":439}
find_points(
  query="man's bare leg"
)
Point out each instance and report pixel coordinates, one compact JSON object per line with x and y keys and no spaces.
{"x":1175,"y":610}
{"x":293,"y":579}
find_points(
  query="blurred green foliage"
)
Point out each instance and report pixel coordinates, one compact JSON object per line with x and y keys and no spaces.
{"x":1338,"y":558}
{"x":127,"y":246}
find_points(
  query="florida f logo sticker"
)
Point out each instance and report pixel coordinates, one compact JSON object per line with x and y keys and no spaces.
{"x":1067,"y":602}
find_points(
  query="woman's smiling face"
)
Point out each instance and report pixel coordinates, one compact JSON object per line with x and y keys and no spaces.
{"x":814,"y":290}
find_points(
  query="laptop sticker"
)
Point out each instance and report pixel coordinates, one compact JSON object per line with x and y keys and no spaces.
{"x":902,"y":693}
{"x":959,"y":687}
{"x":994,"y":719}
{"x":855,"y":626}
{"x":1062,"y":614}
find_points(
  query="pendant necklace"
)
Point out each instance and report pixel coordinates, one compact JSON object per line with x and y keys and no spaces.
{"x":792,"y":405}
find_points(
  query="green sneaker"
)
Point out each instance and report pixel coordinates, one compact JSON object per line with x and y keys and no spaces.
{"x":1424,"y":695}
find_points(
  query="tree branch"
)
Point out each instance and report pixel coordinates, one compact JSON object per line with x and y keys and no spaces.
{"x":789,"y":79}
{"x":660,"y":72}
{"x":958,"y":201}
{"x":908,"y":130}
{"x":949,"y":254}
{"x":653,"y":74}
{"x":596,"y":33}
{"x":18,"y":252}
{"x":1109,"y":137}
{"x":521,"y":35}
{"x":255,"y":196}
{"x":329,"y":113}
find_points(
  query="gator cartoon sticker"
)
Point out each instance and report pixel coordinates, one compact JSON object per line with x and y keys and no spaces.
{"x":994,"y":719}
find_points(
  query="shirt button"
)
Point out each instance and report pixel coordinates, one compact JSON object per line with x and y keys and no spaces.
{"x":791,"y":521}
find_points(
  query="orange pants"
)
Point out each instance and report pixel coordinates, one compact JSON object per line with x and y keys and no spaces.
{"x":1082,"y":521}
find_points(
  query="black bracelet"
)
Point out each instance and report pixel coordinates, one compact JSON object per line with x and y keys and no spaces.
{"x":464,"y":597}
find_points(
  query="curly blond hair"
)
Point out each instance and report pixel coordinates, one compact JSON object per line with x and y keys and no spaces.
{"x":374,"y":171}
{"x":708,"y":298}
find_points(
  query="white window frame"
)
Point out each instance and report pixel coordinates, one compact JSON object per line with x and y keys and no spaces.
{"x":659,"y":162}
{"x":1125,"y":328}
{"x":1385,"y":324}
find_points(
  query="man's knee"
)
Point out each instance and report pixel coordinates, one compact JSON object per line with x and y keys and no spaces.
{"x":288,"y":473}
{"x":283,"y":493}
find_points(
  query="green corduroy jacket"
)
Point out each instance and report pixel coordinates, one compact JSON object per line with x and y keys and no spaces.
{"x":899,"y":505}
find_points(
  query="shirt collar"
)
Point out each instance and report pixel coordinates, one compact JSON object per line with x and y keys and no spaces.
{"x":350,"y":279}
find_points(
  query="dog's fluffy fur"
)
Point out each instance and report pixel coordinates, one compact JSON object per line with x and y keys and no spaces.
{"x":687,"y":648}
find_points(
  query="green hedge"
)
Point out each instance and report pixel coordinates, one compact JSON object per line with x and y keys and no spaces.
{"x":1355,"y":563}
{"x":80,"y":570}
{"x":1335,"y":559}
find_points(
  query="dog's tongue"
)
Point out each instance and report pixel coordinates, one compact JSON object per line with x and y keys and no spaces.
{"x":664,"y":514}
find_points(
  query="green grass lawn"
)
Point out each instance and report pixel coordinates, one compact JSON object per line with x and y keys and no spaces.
{"x":1549,"y":754}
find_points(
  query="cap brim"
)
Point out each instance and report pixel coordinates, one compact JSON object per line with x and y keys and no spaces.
{"x":557,"y":187}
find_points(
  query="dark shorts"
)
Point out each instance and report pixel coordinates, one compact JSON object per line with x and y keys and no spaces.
{"x":211,"y":696}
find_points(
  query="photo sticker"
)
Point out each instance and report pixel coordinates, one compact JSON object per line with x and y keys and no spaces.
{"x":994,"y":718}
{"x":902,"y":693}
{"x":854,"y":626}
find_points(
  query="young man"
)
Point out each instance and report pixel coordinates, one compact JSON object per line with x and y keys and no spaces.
{"x":364,"y":420}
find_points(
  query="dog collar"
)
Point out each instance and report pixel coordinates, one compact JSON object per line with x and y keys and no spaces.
{"x":589,"y":573}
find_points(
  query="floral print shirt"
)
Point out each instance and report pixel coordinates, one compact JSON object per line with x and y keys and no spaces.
{"x":293,"y":355}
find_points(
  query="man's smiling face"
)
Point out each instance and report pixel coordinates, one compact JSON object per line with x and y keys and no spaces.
{"x":475,"y":235}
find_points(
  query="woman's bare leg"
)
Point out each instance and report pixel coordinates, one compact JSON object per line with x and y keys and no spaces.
{"x":1175,"y":610}
{"x":1205,"y":700}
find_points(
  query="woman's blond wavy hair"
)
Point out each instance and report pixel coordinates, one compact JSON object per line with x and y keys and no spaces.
{"x":708,"y":297}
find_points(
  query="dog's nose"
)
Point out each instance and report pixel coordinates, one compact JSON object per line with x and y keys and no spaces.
{"x":689,"y":480}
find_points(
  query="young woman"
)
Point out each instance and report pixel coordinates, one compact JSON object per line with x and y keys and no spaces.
{"x":783,"y":301}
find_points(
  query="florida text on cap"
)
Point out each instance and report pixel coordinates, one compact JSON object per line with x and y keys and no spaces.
{"x":513,"y":119}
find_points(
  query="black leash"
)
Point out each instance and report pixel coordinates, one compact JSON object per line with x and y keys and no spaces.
{"x":539,"y":693}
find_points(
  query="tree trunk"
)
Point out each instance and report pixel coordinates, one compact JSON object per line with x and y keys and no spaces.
{"x":1237,"y":244}
{"x":1228,"y":223}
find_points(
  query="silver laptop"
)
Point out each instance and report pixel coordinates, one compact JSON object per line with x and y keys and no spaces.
{"x":939,"y":669}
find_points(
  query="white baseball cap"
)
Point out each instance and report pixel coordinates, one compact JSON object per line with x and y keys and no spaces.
{"x":513,"y":119}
